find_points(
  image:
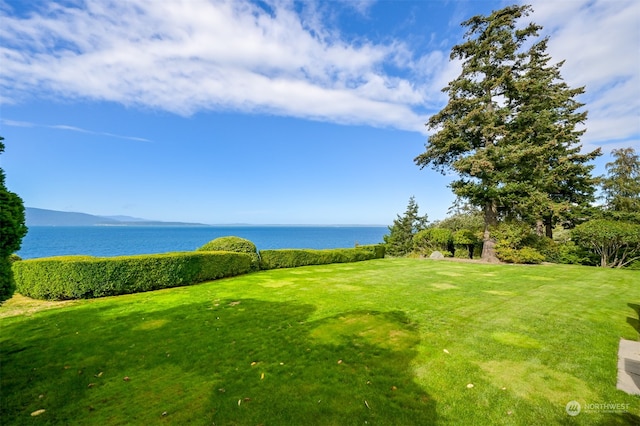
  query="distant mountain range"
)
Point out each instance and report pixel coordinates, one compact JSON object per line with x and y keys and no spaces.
{"x":43,"y":217}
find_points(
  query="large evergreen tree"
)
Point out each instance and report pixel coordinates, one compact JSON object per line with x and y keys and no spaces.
{"x":12,"y":230}
{"x":547,"y":115}
{"x":509,"y":128}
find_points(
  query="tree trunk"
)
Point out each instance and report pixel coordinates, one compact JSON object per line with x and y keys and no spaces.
{"x":539,"y":227}
{"x":488,"y":243}
{"x":548,"y":226}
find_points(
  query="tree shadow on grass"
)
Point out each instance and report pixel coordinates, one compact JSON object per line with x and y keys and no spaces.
{"x":225,"y":362}
{"x":622,"y":419}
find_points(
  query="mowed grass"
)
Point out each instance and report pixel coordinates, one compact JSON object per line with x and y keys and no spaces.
{"x":384,"y":342}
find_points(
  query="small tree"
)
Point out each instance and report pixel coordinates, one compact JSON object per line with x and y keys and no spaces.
{"x":399,"y":241}
{"x":621,"y":186}
{"x":616,"y":243}
{"x":12,"y":230}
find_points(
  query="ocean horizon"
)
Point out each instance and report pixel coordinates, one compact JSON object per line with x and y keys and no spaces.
{"x":120,"y":240}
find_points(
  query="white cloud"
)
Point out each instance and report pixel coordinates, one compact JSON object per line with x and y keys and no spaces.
{"x":186,"y":55}
{"x":14,"y":123}
{"x":600,"y":41}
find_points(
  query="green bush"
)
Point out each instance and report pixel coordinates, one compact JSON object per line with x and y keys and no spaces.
{"x":231,"y":243}
{"x":530,"y":255}
{"x":617,"y":244}
{"x":431,"y":239}
{"x":517,"y":243}
{"x":546,"y":247}
{"x":570,"y":253}
{"x":513,"y":235}
{"x":79,"y":277}
{"x":462,"y":252}
{"x":291,"y":258}
{"x":378,"y":250}
{"x":523,"y":255}
{"x":234,"y":244}
{"x":464,"y":242}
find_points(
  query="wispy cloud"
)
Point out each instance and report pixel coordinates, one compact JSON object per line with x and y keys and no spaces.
{"x":600,"y":41}
{"x":14,"y":123}
{"x":186,"y":56}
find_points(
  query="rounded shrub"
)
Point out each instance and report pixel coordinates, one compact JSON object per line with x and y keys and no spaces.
{"x":523,"y":255}
{"x":237,"y":244}
{"x":234,"y":244}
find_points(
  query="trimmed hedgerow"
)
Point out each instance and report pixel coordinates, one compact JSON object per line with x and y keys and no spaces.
{"x":80,"y":277}
{"x":291,"y":258}
{"x":235,"y":244}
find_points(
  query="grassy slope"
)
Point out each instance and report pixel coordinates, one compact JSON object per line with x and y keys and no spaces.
{"x":335,"y":344}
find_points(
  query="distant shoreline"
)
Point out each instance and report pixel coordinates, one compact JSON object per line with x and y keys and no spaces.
{"x":44,"y":217}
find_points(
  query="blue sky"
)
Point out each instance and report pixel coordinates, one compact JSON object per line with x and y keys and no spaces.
{"x":266,"y":112}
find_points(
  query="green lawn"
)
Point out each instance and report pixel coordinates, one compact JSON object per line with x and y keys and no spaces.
{"x":383,"y":342}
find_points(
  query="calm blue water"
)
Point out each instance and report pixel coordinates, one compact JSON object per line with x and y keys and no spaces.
{"x":45,"y":241}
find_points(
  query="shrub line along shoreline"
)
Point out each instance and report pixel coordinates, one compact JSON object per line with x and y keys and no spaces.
{"x":85,"y":277}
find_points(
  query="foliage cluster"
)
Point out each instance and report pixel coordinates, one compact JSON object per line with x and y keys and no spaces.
{"x":292,"y":258}
{"x":237,"y":245}
{"x":617,"y":244}
{"x":78,"y":277}
{"x":466,"y":242}
{"x":522,"y":255}
{"x":516,"y":243}
{"x":456,"y":235}
{"x":399,"y":241}
{"x":12,"y":230}
{"x":621,"y":187}
{"x":431,"y":239}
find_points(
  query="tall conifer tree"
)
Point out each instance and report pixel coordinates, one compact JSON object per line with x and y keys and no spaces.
{"x":546,"y":122}
{"x":509,"y":128}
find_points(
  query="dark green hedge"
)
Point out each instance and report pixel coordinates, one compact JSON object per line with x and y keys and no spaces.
{"x":76,"y":277}
{"x":291,"y":258}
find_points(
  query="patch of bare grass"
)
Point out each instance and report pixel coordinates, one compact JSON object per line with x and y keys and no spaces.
{"x":21,"y":305}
